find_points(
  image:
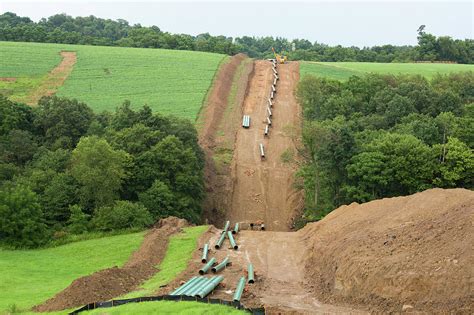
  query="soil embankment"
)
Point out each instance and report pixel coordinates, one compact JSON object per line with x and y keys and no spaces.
{"x":411,"y":253}
{"x":54,"y":79}
{"x":264,"y":189}
{"x":116,"y":281}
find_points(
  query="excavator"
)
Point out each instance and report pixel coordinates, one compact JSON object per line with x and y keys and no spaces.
{"x":279,"y":57}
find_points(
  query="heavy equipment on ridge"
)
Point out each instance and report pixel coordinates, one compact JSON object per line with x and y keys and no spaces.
{"x":279,"y":57}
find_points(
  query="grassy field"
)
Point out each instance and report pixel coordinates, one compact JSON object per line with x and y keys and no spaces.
{"x":29,"y":277}
{"x":168,"y":307}
{"x":169,"y":81}
{"x":179,"y":252}
{"x":344,"y":70}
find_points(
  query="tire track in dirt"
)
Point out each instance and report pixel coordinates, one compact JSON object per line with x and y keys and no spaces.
{"x":263,"y":190}
{"x":54,"y":79}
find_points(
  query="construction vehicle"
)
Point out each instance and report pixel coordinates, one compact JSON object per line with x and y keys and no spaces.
{"x":279,"y":57}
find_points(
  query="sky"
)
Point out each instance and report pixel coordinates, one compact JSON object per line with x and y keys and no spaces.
{"x":347,"y":23}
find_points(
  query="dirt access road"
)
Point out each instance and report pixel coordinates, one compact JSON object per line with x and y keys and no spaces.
{"x":263,"y":189}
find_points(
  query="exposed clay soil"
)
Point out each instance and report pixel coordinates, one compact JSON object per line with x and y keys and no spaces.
{"x":112,"y":282}
{"x":264,"y":189}
{"x":221,"y":120}
{"x":7,"y":79}
{"x":54,"y":79}
{"x":415,"y":251}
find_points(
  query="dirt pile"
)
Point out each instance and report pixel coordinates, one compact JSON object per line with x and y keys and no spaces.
{"x":411,"y":253}
{"x":112,"y":282}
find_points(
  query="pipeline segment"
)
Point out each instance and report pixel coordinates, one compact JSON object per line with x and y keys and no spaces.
{"x":226,"y":227}
{"x":220,"y":241}
{"x":211,"y":285}
{"x":251,"y":275}
{"x":236,"y":228}
{"x":232,"y":241}
{"x":222,"y":265}
{"x":207,"y":266}
{"x":185,"y":286}
{"x":196,"y":288}
{"x":205,"y":250}
{"x":239,"y":289}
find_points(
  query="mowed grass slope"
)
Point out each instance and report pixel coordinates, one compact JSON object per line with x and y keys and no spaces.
{"x":344,"y":70}
{"x":29,"y":277}
{"x":169,"y":81}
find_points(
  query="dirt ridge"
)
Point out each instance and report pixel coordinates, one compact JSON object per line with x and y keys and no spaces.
{"x":112,"y":282}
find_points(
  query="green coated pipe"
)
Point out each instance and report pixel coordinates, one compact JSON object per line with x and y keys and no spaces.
{"x":239,"y":289}
{"x":204,"y":253}
{"x":232,"y":241}
{"x":193,"y":285}
{"x":184,"y":286}
{"x":195,"y":289}
{"x":207,"y":266}
{"x":203,"y":292}
{"x":226,"y":227}
{"x":251,"y":277}
{"x":220,"y":241}
{"x":221,"y":266}
{"x":236,"y":228}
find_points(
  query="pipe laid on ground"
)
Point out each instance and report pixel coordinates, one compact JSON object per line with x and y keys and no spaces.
{"x":184,"y":286}
{"x":262,"y":227}
{"x":269,"y":121}
{"x":203,"y":292}
{"x":194,"y":290}
{"x":207,"y":266}
{"x":236,"y":228}
{"x":205,"y":250}
{"x":275,"y":75}
{"x":265,"y":133}
{"x":239,"y":289}
{"x":226,"y":227}
{"x":222,"y":265}
{"x":273,"y":88}
{"x":271,"y":96}
{"x":251,"y":275}
{"x":220,"y":241}
{"x":269,"y":111}
{"x":232,"y":241}
{"x":262,"y":151}
{"x":270,"y":102}
{"x":274,"y":81}
{"x":188,"y":290}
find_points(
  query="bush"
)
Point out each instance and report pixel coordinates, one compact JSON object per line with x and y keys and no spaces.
{"x":123,"y":215}
{"x":78,"y":222}
{"x":21,"y":218}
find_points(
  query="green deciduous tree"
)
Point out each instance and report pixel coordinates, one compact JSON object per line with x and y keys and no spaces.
{"x":122,"y":215}
{"x":21,"y":219}
{"x":99,"y":169}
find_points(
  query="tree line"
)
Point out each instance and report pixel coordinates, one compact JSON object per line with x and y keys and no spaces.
{"x":382,"y":135}
{"x":61,"y":28}
{"x":65,"y":170}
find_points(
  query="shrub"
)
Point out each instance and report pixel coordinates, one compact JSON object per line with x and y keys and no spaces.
{"x":123,"y":215}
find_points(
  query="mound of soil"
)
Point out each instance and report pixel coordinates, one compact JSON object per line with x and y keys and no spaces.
{"x":112,"y":282}
{"x":411,"y":253}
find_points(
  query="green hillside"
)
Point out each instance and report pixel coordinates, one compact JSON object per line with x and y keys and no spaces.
{"x":29,"y":277}
{"x":169,"y":81}
{"x":343,"y":70}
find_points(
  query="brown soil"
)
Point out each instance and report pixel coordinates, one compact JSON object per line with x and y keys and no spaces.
{"x":54,"y":79}
{"x":414,"y":253}
{"x":112,"y":282}
{"x":7,"y":79}
{"x":264,"y":190}
{"x":221,"y":118}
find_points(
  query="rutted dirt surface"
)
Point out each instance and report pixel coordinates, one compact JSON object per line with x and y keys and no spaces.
{"x":112,"y":282}
{"x":411,"y":253}
{"x":221,"y":115}
{"x":54,"y":79}
{"x":263,"y":189}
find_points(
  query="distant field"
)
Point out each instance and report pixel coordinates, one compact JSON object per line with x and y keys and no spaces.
{"x":344,"y":70}
{"x":169,"y":81}
{"x":29,"y":277}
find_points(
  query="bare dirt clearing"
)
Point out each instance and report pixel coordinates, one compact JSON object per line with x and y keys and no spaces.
{"x":54,"y":79}
{"x":263,"y":190}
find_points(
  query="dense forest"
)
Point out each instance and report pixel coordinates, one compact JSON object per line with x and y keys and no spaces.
{"x":382,"y":136}
{"x":61,"y":28}
{"x":65,"y":170}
